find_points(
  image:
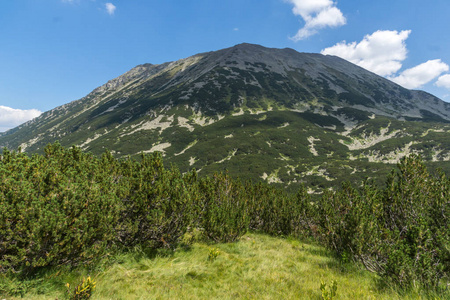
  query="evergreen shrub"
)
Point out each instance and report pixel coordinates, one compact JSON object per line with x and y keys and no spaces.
{"x":70,"y":207}
{"x":401,"y":232}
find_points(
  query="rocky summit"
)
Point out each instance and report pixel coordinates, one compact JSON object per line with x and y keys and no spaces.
{"x":274,"y":115}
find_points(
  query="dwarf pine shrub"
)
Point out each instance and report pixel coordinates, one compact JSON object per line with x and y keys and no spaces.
{"x":401,"y":232}
{"x":223,"y":203}
{"x":67,"y":207}
{"x":156,"y":203}
{"x":56,"y":209}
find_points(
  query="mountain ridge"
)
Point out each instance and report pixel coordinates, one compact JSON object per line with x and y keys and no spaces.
{"x":242,"y":106}
{"x":144,"y":71}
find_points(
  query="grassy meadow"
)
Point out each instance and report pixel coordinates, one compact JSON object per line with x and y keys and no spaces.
{"x":256,"y":267}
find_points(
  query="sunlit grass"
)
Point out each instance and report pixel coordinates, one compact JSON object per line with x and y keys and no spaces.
{"x":256,"y":267}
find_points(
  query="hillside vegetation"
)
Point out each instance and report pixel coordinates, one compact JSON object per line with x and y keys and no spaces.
{"x":67,"y":208}
{"x":271,"y":115}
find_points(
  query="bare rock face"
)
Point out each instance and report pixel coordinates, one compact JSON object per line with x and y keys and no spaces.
{"x":228,"y":109}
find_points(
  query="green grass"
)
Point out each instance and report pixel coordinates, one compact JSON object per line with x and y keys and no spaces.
{"x":256,"y":267}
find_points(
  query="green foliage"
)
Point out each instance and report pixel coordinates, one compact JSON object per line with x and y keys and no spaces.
{"x":330,"y":292}
{"x":56,"y":209}
{"x":401,"y":232}
{"x":416,"y":213}
{"x":156,"y":203}
{"x":82,"y":291}
{"x":13,"y":286}
{"x":348,"y":220}
{"x":213,"y":254}
{"x":224,"y":215}
{"x":273,"y":211}
{"x":67,"y":207}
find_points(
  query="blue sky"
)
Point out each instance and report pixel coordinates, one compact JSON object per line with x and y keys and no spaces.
{"x":56,"y":51}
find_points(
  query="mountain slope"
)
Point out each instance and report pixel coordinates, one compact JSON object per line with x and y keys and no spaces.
{"x":270,"y":114}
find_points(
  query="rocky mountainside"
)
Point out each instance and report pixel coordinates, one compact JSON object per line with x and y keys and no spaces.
{"x":271,"y":114}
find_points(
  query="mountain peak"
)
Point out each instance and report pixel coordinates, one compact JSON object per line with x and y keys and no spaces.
{"x":263,"y":113}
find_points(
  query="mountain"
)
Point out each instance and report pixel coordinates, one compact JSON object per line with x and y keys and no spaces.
{"x":260,"y":113}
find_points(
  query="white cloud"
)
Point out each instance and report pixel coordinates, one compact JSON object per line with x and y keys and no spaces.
{"x":10,"y":117}
{"x":444,"y":81}
{"x":317,"y":14}
{"x":110,"y":8}
{"x":381,"y":52}
{"x":422,"y":74}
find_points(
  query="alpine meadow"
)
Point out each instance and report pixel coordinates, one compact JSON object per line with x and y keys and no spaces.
{"x":243,"y":173}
